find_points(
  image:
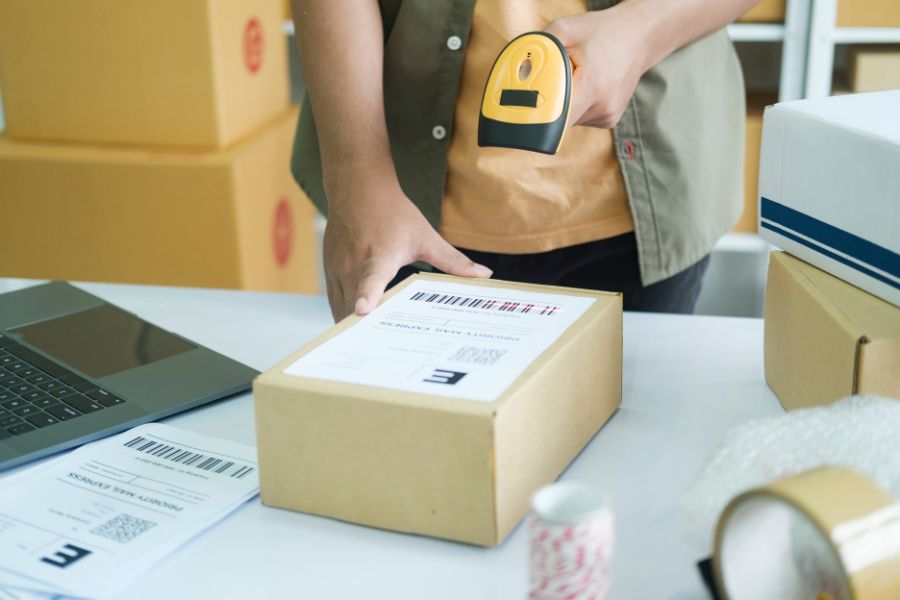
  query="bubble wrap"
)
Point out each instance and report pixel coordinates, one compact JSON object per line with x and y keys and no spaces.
{"x":859,"y":432}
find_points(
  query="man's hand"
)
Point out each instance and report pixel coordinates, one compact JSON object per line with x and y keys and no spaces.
{"x":372,"y":231}
{"x":611,"y":49}
{"x":607,"y":63}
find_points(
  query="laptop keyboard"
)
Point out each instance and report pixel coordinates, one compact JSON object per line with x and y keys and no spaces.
{"x":36,"y":392}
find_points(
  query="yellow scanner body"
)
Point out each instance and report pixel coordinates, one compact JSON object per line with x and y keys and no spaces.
{"x":527,"y":95}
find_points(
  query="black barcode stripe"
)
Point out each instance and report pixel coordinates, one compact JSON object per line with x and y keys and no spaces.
{"x":486,"y":304}
{"x":188,"y":458}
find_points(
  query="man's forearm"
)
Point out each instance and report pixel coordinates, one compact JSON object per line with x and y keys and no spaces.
{"x":671,"y":24}
{"x":341,"y":48}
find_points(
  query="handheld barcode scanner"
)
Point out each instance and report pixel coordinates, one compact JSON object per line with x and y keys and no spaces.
{"x":526,"y":98}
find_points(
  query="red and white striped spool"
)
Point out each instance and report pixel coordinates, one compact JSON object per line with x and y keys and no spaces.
{"x":571,"y":533}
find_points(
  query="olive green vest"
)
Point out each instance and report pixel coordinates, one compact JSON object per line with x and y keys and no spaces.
{"x":680,"y":142}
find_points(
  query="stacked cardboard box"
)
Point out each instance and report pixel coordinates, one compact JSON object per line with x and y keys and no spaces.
{"x":828,"y":195}
{"x":766,"y":11}
{"x":868,"y":13}
{"x":827,"y":339}
{"x":150,"y":142}
{"x":874,"y":68}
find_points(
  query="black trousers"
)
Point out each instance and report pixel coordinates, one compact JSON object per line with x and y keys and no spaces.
{"x":610,"y":265}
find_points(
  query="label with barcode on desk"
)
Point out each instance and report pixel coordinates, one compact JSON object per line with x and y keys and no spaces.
{"x":189,"y":458}
{"x":96,"y":519}
{"x":446,"y":338}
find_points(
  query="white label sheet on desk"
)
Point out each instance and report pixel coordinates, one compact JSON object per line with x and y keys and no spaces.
{"x":92,"y":522}
{"x":445,"y":339}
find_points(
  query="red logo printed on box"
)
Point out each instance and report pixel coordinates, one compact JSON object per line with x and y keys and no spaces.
{"x":282,"y":232}
{"x":253,"y":45}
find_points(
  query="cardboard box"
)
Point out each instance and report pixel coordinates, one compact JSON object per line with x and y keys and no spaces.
{"x":380,"y":451}
{"x":767,"y":11}
{"x":195,"y":73}
{"x":829,"y":186}
{"x":874,"y":68}
{"x":826,"y":339}
{"x":231,"y":219}
{"x":868,"y":13}
{"x":749,"y":219}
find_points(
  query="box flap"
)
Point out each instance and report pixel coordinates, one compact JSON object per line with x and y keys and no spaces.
{"x":50,"y":151}
{"x":862,"y":314}
{"x":879,"y":368}
{"x":811,"y":348}
{"x":862,"y":113}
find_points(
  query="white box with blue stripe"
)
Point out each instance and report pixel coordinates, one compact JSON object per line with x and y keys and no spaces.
{"x":829,"y":186}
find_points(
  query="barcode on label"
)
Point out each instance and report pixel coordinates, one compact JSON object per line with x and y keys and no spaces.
{"x":188,"y":458}
{"x":486,"y":303}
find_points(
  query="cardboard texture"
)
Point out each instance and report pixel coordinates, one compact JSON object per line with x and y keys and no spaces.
{"x":749,"y":219}
{"x":829,"y":186}
{"x":868,"y":13}
{"x":232,"y":219}
{"x":195,"y":73}
{"x":873,"y":69}
{"x":766,"y":11}
{"x":826,"y":339}
{"x":456,"y":469}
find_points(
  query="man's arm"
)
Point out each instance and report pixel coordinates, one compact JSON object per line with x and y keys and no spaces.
{"x":373,"y":228}
{"x":611,"y":49}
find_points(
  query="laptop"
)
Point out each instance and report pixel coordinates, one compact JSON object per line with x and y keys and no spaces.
{"x":74,"y":368}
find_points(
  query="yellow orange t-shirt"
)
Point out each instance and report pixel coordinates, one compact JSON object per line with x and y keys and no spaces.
{"x":518,"y":202}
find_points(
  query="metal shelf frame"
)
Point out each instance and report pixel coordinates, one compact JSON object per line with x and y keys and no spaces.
{"x":793,"y":34}
{"x":825,"y":35}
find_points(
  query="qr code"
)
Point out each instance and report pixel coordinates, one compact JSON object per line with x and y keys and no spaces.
{"x":123,"y":528}
{"x":478,"y":356}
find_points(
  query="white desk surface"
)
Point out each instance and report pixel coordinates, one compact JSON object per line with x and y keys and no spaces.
{"x":687,"y":380}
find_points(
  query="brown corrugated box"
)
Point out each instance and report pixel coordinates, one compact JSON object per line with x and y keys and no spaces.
{"x":826,"y":339}
{"x":224,"y":219}
{"x":868,"y":13}
{"x":427,"y":464}
{"x":767,"y":11}
{"x":874,"y":68}
{"x":191,"y":73}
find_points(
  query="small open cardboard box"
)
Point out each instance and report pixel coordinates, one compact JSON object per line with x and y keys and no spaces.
{"x":826,"y":339}
{"x":435,"y":465}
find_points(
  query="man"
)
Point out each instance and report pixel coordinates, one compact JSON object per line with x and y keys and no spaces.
{"x":639,"y":192}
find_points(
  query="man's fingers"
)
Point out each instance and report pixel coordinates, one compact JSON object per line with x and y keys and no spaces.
{"x":375,"y":276}
{"x":448,"y":259}
{"x":335,"y":298}
{"x":566,"y":30}
{"x":579,"y":104}
{"x":562,"y":30}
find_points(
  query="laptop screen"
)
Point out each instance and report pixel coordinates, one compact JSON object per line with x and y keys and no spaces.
{"x":103,"y":340}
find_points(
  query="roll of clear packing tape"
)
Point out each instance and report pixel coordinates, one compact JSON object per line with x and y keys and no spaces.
{"x":826,"y":534}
